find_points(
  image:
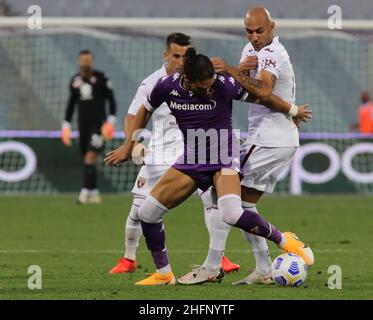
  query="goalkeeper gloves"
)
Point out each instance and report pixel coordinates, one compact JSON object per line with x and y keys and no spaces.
{"x":107,"y":129}
{"x":66,"y":133}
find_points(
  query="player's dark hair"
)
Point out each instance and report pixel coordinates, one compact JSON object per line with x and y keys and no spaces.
{"x":180,"y":39}
{"x":85,"y":51}
{"x":197,"y":67}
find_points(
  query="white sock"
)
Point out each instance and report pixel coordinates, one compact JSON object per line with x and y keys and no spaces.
{"x":133,"y":230}
{"x":165,"y":270}
{"x":207,"y":205}
{"x":259,"y":246}
{"x":218,"y":232}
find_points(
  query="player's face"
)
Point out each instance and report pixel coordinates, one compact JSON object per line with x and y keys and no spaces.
{"x":259,"y":33}
{"x":202,"y":88}
{"x":85,"y":62}
{"x":174,"y":57}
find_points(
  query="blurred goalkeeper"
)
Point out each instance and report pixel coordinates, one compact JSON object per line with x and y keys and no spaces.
{"x":90,"y":89}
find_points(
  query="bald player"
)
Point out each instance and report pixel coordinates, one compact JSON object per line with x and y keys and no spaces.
{"x":273,"y":139}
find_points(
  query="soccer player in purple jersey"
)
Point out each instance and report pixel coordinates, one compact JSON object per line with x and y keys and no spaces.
{"x":202,"y":105}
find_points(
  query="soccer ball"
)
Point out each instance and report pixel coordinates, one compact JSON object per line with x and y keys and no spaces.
{"x":289,"y":270}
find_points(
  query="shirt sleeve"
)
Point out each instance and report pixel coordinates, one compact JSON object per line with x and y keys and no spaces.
{"x":110,"y":96}
{"x":71,"y":102}
{"x":270,"y":61}
{"x":233,"y":88}
{"x":247,"y":51}
{"x":156,"y":97}
{"x":139,"y":99}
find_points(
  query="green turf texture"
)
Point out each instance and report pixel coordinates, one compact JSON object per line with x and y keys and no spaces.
{"x":76,"y":246}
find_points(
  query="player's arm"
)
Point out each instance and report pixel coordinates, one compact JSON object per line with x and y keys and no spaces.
{"x":143,"y":115}
{"x":107,"y":129}
{"x":260,"y":87}
{"x":264,"y":79}
{"x":275,"y":103}
{"x":139,"y":149}
{"x":66,"y":124}
{"x":123,"y":153}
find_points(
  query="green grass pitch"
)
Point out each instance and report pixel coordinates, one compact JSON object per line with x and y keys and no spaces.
{"x":76,"y":246}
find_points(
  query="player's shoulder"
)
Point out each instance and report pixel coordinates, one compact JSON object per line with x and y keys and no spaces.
{"x":224,"y":80}
{"x":275,"y":48}
{"x":169,"y":80}
{"x":248,"y":49}
{"x":100,"y":74}
{"x":152,"y":79}
{"x":76,"y":80}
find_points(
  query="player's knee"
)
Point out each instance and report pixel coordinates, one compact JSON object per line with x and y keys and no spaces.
{"x":152,"y":210}
{"x":136,"y":205}
{"x":230,"y":208}
{"x":249,"y":206}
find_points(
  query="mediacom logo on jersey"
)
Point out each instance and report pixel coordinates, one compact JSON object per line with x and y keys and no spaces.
{"x":193,"y":107}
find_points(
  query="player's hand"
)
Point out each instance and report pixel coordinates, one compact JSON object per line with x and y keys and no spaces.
{"x":219,"y":65}
{"x":138,"y":154}
{"x":250,"y":63}
{"x":107,"y":129}
{"x":119,"y":155}
{"x":304,"y":112}
{"x":66,"y":133}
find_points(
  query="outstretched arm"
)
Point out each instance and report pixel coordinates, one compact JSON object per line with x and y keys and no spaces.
{"x":123,"y":153}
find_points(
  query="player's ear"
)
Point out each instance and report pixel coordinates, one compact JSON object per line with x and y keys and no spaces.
{"x":165,"y":55}
{"x":272,"y":25}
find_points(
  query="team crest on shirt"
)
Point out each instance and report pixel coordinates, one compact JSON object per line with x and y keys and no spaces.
{"x":269,"y":62}
{"x":141,"y":182}
{"x":92,"y":79}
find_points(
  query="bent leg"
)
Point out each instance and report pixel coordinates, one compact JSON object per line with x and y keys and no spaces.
{"x":228,"y":187}
{"x":171,"y":190}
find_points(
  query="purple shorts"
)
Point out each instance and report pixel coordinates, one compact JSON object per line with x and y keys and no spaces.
{"x":202,"y":175}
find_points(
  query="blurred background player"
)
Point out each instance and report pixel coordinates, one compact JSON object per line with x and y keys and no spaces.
{"x":165,"y":146}
{"x":272,"y":141}
{"x":90,"y":89}
{"x":365,"y":114}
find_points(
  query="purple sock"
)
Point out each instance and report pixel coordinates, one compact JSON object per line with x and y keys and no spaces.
{"x":155,"y":240}
{"x":254,"y":223}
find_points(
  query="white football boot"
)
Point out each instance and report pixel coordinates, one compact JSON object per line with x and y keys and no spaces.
{"x":83,"y":196}
{"x":200,"y":275}
{"x":255,"y":278}
{"x":94,"y":197}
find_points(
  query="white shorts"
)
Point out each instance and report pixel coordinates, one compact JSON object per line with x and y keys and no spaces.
{"x":261,"y":166}
{"x":147,"y":178}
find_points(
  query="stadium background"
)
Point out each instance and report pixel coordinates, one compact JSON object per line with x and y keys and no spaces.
{"x":331,"y":68}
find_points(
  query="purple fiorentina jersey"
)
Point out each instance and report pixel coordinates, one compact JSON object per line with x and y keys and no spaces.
{"x":206,"y":122}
